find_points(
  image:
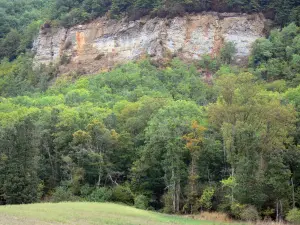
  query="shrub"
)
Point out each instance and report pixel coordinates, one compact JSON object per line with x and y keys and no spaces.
{"x":267,"y":213}
{"x":277,"y":85}
{"x":64,"y":59}
{"x":168,"y":203}
{"x":40,"y":190}
{"x":86,"y":190}
{"x":206,"y":198}
{"x":176,"y":10}
{"x":227,"y":53}
{"x":208,"y":63}
{"x":100,"y":195}
{"x":75,"y":16}
{"x":62,"y":194}
{"x":249,"y":214}
{"x":141,"y":202}
{"x":293,"y":216}
{"x":236,"y":210}
{"x":122,"y":194}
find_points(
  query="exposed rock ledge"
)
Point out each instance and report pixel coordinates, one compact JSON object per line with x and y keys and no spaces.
{"x":103,"y":43}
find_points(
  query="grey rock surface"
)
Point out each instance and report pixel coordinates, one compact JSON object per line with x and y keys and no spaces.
{"x":103,"y":43}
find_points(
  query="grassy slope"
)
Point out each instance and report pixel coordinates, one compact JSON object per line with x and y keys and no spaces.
{"x":87,"y":213}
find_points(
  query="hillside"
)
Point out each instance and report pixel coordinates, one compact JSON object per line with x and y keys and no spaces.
{"x":88,"y":213}
{"x":176,"y":110}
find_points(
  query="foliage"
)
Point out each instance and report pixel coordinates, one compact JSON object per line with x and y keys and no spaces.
{"x":100,"y":195}
{"x":78,"y":11}
{"x":278,"y":56}
{"x":158,"y":138}
{"x":62,"y":194}
{"x":20,"y":22}
{"x":293,"y":216}
{"x":249,"y":213}
{"x":122,"y":194}
{"x":141,"y":202}
{"x":227,"y":53}
{"x":194,"y":144}
{"x":236,"y":209}
{"x":206,"y":198}
{"x":21,"y":19}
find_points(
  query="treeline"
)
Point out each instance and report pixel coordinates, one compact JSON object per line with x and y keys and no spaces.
{"x":73,"y":12}
{"x":159,"y":139}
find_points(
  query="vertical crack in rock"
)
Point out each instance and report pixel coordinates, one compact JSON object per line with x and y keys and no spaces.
{"x":64,"y":44}
{"x":218,"y":39}
{"x":51,"y":48}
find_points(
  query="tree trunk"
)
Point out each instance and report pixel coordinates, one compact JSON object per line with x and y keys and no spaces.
{"x":293,"y":192}
{"x":193,"y":174}
{"x":178,"y":196}
{"x":280,"y":215}
{"x":99,"y":178}
{"x":277,"y":211}
{"x":174,"y":191}
{"x":232,"y":189}
{"x":50,"y":159}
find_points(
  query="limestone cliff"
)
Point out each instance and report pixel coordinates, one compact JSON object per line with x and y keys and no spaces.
{"x":103,"y":43}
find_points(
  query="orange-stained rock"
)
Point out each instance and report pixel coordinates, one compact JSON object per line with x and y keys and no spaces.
{"x":103,"y":43}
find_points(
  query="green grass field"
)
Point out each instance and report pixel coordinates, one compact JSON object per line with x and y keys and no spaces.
{"x":87,"y":213}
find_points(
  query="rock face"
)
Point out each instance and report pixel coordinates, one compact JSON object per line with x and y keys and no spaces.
{"x":104,"y":43}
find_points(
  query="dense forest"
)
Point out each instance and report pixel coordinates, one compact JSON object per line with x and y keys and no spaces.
{"x":156,"y":137}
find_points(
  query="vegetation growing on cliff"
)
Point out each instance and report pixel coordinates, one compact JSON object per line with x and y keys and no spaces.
{"x":71,"y":12}
{"x":21,"y":19}
{"x":155,"y":138}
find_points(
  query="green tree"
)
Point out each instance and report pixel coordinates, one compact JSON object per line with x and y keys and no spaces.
{"x":10,"y":44}
{"x":19,"y":161}
{"x":254,"y":125}
{"x":227,"y":53}
{"x":163,"y":157}
{"x":206,"y":198}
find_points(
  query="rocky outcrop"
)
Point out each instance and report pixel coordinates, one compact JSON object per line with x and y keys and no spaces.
{"x":104,"y":43}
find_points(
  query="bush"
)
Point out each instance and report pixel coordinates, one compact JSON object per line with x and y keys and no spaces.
{"x":75,"y":16}
{"x":141,"y":202}
{"x":100,"y":195}
{"x":86,"y":190}
{"x":168,"y":203}
{"x":62,"y":194}
{"x":175,"y":10}
{"x":227,"y":53}
{"x":122,"y":194}
{"x":277,"y":85}
{"x":236,"y":210}
{"x":249,"y":214}
{"x":206,"y":198}
{"x":207,"y":63}
{"x":65,"y":59}
{"x":293,"y":216}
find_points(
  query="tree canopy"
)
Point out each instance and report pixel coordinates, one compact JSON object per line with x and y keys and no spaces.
{"x":157,"y":137}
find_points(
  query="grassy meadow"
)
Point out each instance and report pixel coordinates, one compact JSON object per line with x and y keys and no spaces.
{"x":88,"y":213}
